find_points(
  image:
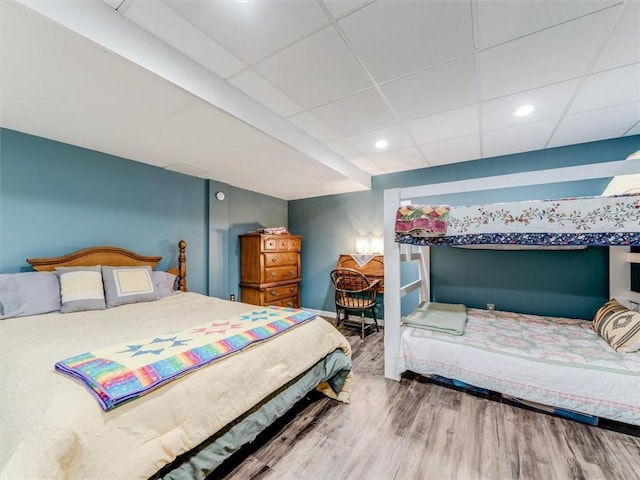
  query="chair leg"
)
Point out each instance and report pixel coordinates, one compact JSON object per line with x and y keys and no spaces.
{"x":362,"y":326}
{"x":375,"y":320}
{"x":337,"y":316}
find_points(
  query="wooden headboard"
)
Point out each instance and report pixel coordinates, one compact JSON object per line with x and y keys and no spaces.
{"x":113,"y":257}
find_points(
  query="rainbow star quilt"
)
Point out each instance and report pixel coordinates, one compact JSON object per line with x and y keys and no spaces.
{"x":121,"y":373}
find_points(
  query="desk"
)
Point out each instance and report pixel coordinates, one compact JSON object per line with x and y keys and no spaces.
{"x":373,"y":269}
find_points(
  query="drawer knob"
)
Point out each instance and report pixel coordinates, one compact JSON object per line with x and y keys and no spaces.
{"x":273,"y":274}
{"x":290,"y":259}
{"x":291,"y":272}
{"x":291,"y":289}
{"x":273,"y":293}
{"x":273,"y":259}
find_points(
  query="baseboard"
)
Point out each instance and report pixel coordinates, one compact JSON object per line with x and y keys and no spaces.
{"x":321,"y":313}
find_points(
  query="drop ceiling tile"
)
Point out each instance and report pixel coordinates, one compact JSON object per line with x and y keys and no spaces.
{"x":623,"y":47}
{"x":317,"y":70}
{"x":455,"y":123}
{"x":596,"y":124}
{"x":550,"y":56}
{"x":518,"y":138}
{"x":399,"y":160}
{"x":342,"y":147}
{"x":113,"y":3}
{"x":397,"y":38}
{"x":166,"y":24}
{"x":605,"y":89}
{"x":340,"y":7}
{"x":453,"y":150}
{"x":435,"y":90}
{"x":395,"y":135}
{"x":356,"y":114}
{"x":314,"y":127}
{"x":252,"y":30}
{"x":549,"y":102}
{"x":261,"y":90}
{"x":503,"y":20}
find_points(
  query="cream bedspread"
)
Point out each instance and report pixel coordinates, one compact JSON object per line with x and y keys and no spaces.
{"x":52,"y":427}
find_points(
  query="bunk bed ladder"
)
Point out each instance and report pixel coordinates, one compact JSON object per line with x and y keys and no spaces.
{"x":393,"y":290}
{"x":412,"y":253}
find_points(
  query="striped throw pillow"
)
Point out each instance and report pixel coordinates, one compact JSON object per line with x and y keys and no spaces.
{"x":619,"y":326}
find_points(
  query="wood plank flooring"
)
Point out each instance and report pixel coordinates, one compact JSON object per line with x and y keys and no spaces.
{"x":414,"y":430}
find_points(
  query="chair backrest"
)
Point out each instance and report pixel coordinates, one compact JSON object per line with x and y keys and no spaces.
{"x":351,"y":285}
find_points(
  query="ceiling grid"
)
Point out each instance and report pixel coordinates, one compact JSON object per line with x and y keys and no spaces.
{"x":311,"y":87}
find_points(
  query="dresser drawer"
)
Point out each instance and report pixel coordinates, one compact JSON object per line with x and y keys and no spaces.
{"x":270,"y":243}
{"x":278,"y":259}
{"x":290,"y":302}
{"x":293,"y":244}
{"x":278,"y":274}
{"x":284,"y":243}
{"x":278,"y":293}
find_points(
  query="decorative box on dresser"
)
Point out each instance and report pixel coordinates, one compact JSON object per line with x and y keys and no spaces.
{"x":270,"y":271}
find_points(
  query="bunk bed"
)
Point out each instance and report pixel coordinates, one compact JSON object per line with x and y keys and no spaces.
{"x":560,"y":365}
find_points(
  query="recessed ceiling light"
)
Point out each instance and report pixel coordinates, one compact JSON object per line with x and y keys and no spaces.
{"x":380,"y":144}
{"x":524,"y":110}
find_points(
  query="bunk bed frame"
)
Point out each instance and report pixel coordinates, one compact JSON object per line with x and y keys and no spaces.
{"x":396,"y":253}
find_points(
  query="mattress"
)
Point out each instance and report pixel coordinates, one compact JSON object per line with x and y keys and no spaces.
{"x":57,"y":429}
{"x":553,"y":361}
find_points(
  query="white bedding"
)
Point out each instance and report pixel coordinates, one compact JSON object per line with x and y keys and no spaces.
{"x":53,"y":427}
{"x":552,"y":361}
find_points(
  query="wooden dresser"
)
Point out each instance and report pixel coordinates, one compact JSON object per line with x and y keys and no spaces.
{"x":270,"y":271}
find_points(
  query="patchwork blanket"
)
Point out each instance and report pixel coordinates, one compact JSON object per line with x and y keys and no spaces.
{"x":124,"y":372}
{"x":422,"y":221}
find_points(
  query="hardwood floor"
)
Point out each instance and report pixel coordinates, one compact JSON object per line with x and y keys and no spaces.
{"x":413,"y":429}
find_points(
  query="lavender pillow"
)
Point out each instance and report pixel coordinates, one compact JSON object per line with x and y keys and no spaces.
{"x":29,"y":293}
{"x":164,"y":283}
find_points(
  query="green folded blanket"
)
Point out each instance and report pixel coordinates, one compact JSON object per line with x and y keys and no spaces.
{"x":439,"y":317}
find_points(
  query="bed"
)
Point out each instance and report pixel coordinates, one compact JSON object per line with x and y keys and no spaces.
{"x":53,"y":427}
{"x":557,"y":364}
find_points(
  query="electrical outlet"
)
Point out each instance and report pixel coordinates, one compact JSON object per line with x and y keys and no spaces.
{"x":491,"y":307}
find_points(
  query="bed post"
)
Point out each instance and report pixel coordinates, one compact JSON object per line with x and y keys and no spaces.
{"x":425,"y":273}
{"x":182,"y":266}
{"x":392,"y":310}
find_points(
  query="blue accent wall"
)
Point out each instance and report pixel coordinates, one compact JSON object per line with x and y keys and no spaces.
{"x":571,"y":283}
{"x":541,"y":282}
{"x":250,"y":211}
{"x":56,"y":198}
{"x":330,"y":225}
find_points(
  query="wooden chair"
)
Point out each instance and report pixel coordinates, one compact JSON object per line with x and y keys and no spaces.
{"x":354,"y":293}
